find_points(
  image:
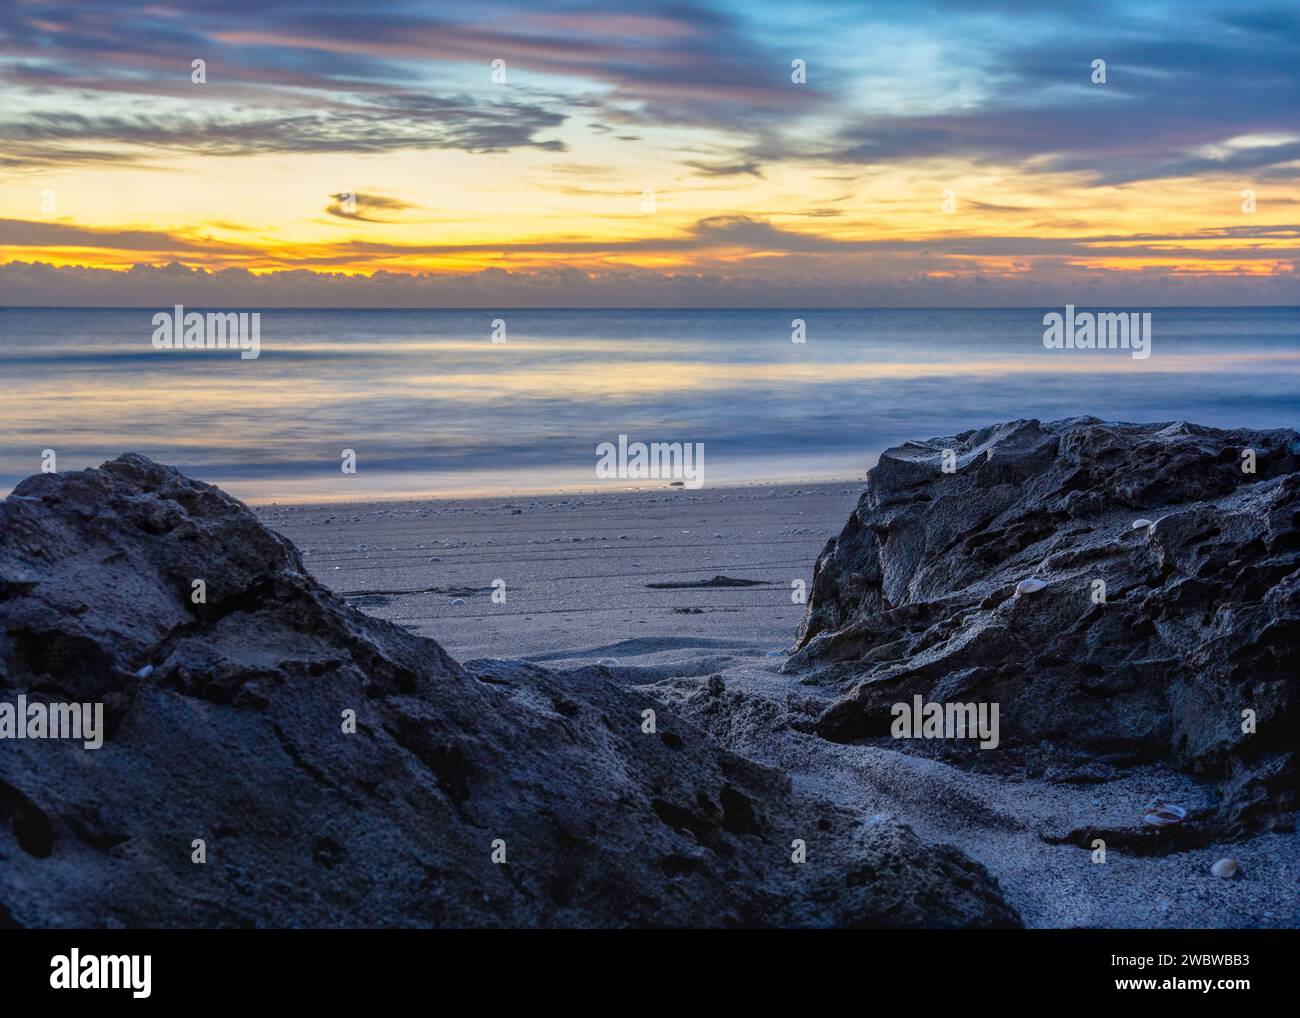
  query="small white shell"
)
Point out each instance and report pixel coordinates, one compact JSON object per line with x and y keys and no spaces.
{"x":1226,"y":868}
{"x":1143,"y":524}
{"x":458,"y":602}
{"x":1030,"y":586}
{"x":1164,"y":814}
{"x":144,"y":672}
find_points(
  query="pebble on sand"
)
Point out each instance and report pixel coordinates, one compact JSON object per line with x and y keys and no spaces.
{"x":1030,"y":586}
{"x":1226,"y":868}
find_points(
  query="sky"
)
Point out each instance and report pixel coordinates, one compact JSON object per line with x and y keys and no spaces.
{"x":691,"y":153}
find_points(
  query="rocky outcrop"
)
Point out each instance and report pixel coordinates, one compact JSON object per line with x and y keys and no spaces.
{"x":227,"y":720}
{"x":1165,"y":642}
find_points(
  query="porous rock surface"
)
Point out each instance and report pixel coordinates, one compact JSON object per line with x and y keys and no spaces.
{"x":225,"y":724}
{"x":1198,"y":620}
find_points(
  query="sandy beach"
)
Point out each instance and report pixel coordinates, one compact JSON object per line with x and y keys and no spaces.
{"x":617,"y":583}
{"x":588,"y":577}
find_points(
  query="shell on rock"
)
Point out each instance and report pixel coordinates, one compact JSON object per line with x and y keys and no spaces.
{"x":1164,"y":814}
{"x":1143,"y":524}
{"x":1030,"y":586}
{"x":1226,"y":868}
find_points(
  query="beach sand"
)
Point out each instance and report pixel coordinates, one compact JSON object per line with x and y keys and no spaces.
{"x":579,"y":572}
{"x":579,"y":569}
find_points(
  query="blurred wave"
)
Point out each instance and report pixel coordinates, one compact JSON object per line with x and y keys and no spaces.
{"x":433,"y":407}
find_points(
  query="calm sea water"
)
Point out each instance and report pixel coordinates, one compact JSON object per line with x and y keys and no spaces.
{"x":433,"y":407}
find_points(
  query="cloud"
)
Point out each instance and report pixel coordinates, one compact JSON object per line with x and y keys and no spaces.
{"x":776,"y":286}
{"x":708,"y":237}
{"x":341,"y":77}
{"x":367,"y":208}
{"x":383,"y":124}
{"x":26,"y":233}
{"x":749,"y":167}
{"x":670,"y":63}
{"x":1175,"y":86}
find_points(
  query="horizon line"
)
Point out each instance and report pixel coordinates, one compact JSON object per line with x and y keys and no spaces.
{"x":630,"y":307}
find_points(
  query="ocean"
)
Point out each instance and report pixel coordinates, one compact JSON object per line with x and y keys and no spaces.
{"x":431,"y":406}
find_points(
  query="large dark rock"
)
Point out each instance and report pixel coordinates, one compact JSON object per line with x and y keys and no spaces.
{"x":225,"y":724}
{"x":1201,"y":618}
